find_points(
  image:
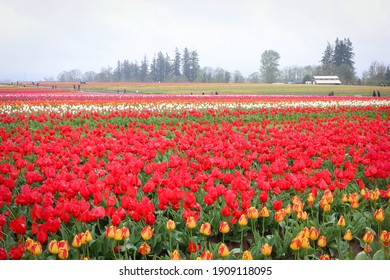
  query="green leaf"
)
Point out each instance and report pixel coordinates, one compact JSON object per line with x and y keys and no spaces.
{"x":361,"y":256}
{"x":379,"y":255}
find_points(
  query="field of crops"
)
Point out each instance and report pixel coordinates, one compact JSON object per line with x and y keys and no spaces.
{"x":125,"y":176}
{"x":211,"y":88}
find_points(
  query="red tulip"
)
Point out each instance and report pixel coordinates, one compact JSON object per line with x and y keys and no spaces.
{"x":18,"y":225}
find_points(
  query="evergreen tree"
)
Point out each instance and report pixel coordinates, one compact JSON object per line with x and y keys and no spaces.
{"x":168,"y":66}
{"x":118,"y":72}
{"x":327,"y":58}
{"x":161,"y":67}
{"x":193,"y":66}
{"x":343,"y":53}
{"x":153,"y":69}
{"x":177,"y":63}
{"x":144,"y":70}
{"x":186,"y":63}
{"x":338,"y":60}
{"x":126,"y":70}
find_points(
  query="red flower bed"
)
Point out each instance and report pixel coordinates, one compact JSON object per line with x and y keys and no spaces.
{"x":108,"y":175}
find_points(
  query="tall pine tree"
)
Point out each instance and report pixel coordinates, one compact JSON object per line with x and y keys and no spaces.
{"x":194,"y":66}
{"x":186,"y":63}
{"x":177,"y":63}
{"x":338,"y":60}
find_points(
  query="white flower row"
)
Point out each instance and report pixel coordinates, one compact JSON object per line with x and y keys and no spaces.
{"x":172,"y":106}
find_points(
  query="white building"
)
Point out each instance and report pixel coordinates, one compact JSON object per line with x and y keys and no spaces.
{"x":327,"y":80}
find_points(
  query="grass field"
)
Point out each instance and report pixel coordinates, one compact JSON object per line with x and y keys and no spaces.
{"x":223,"y":88}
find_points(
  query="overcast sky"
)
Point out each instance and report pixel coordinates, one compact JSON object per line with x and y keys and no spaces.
{"x":41,"y":38}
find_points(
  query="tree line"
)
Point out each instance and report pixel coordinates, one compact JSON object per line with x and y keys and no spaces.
{"x":181,"y":68}
{"x":337,"y":59}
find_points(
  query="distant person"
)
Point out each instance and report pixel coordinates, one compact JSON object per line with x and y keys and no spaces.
{"x":202,"y":93}
{"x":124,"y":90}
{"x":74,"y":87}
{"x":379,"y":93}
{"x":117,"y":91}
{"x":78,"y":86}
{"x":216,"y":93}
{"x":374,"y":93}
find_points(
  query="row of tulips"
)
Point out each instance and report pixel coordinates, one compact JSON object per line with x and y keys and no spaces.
{"x":297,"y":182}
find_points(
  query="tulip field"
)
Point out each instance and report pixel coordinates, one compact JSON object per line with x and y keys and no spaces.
{"x":137,"y":176}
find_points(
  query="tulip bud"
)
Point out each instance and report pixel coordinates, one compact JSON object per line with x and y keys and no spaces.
{"x":326,"y":208}
{"x":302,"y":215}
{"x":328,"y":195}
{"x":313,"y":233}
{"x":298,"y":207}
{"x":53,"y":247}
{"x":190,"y":223}
{"x":288,"y":209}
{"x":223,"y":250}
{"x":175,"y":255}
{"x":353,"y":197}
{"x":110,"y":231}
{"x":264,"y":213}
{"x":296,"y":199}
{"x":252,"y":213}
{"x":76,"y":241}
{"x":379,"y":215}
{"x":206,"y":255}
{"x":303,"y":234}
{"x":224,"y":227}
{"x":63,"y":244}
{"x":266,"y":249}
{"x":344,"y":198}
{"x":341,"y":222}
{"x":147,"y":233}
{"x":279,"y":216}
{"x":36,"y":249}
{"x":63,"y":254}
{"x":171,"y":225}
{"x":311,"y":199}
{"x":306,"y":232}
{"x":28,"y":244}
{"x":243,"y":220}
{"x":144,"y":249}
{"x":374,"y":195}
{"x":355,"y":204}
{"x":321,"y":241}
{"x":367,"y":249}
{"x":348,"y":235}
{"x":368,"y":237}
{"x":385,"y":237}
{"x":87,"y":236}
{"x":118,"y":234}
{"x":305,"y":243}
{"x":247,"y":255}
{"x":205,"y":229}
{"x":295,"y":244}
{"x":324,"y":257}
{"x":125,"y":232}
{"x":193,"y":247}
{"x":83,"y":238}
